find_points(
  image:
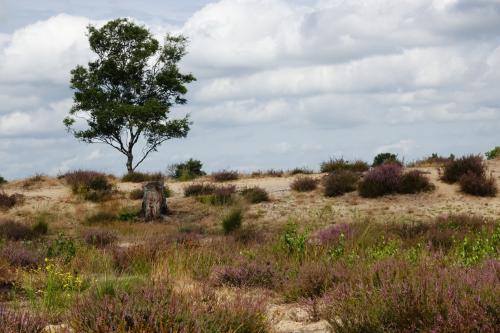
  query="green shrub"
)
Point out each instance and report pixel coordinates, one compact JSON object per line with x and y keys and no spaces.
{"x":62,"y":247}
{"x":383,"y":158}
{"x":127,"y":216}
{"x":494,"y":153}
{"x":304,"y":184}
{"x":300,"y":171}
{"x":481,"y":186}
{"x":293,"y":242}
{"x":139,"y":177}
{"x":340,"y":182}
{"x":40,"y":227}
{"x":188,"y":170}
{"x":222,"y":195}
{"x":255,"y":194}
{"x":454,"y":170}
{"x":232,"y":220}
{"x":2,"y":180}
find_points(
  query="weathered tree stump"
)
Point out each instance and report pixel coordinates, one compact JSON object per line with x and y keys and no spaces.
{"x":154,"y":203}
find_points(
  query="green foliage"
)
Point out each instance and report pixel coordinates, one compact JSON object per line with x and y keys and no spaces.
{"x":2,"y":180}
{"x":385,"y":158}
{"x":293,"y":241}
{"x":494,"y":153}
{"x":188,"y":170}
{"x":338,"y":249}
{"x":126,"y":93}
{"x":62,"y":247}
{"x":232,"y":220}
{"x":385,"y":249}
{"x":139,"y":177}
{"x":127,"y":216}
{"x":339,"y":164}
{"x":40,"y":227}
{"x":472,"y":251}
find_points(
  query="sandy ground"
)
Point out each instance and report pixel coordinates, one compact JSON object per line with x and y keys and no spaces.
{"x":52,"y":194}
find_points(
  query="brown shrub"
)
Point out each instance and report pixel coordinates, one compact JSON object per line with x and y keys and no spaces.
{"x":414,"y":182}
{"x":455,"y":169}
{"x":100,"y":238}
{"x":15,"y":231}
{"x":21,"y":321}
{"x":255,"y":194}
{"x":340,"y":182}
{"x":304,"y":184}
{"x":7,"y":201}
{"x":19,"y":256}
{"x":478,"y":185}
{"x":225,"y":175}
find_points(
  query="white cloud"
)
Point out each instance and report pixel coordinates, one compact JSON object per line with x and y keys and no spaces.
{"x":402,"y":146}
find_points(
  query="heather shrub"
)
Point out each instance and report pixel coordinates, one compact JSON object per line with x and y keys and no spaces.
{"x":232,"y":220}
{"x":455,"y":169}
{"x":300,"y":171}
{"x":339,"y":164}
{"x":340,"y":182}
{"x":333,"y":233}
{"x":225,"y":175}
{"x":18,"y":255}
{"x":382,"y":180}
{"x":90,"y":185}
{"x":157,"y":308}
{"x":491,"y":155}
{"x":188,"y":170}
{"x":100,"y":238}
{"x":304,"y":184}
{"x":199,"y":189}
{"x":249,"y":274}
{"x":15,"y":231}
{"x":255,"y":194}
{"x":478,"y":185}
{"x":139,"y":177}
{"x":21,"y":321}
{"x":393,"y":295}
{"x":7,"y":201}
{"x":414,"y":182}
{"x":384,"y":158}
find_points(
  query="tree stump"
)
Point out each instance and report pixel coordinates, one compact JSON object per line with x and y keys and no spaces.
{"x":154,"y":203}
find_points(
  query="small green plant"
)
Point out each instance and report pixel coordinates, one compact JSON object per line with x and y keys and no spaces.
{"x":494,"y":153}
{"x":62,"y":247}
{"x":338,"y":249}
{"x":232,"y":220}
{"x":385,"y":249}
{"x":127,"y":216}
{"x":293,"y":241}
{"x":40,"y":227}
{"x":472,"y":251}
{"x":2,"y":180}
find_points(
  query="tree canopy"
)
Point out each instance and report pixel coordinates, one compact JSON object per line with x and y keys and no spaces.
{"x":126,"y":93}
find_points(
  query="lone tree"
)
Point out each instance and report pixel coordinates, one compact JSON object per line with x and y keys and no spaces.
{"x":127,"y":92}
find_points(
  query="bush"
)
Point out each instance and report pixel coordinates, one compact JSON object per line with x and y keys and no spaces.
{"x":222,"y":195}
{"x":62,"y":247}
{"x":482,"y":186}
{"x":382,"y":180}
{"x":255,"y":194}
{"x":15,"y":231}
{"x":300,"y":171}
{"x":21,"y":321}
{"x":339,"y":164}
{"x":20,"y":256}
{"x":90,"y":185}
{"x":2,"y":180}
{"x":304,"y":184}
{"x":199,"y":189}
{"x":245,"y":275}
{"x":383,"y":158}
{"x":40,"y":227}
{"x":455,"y":169}
{"x":188,"y":170}
{"x":225,"y":175}
{"x":434,"y":159}
{"x":334,"y":233}
{"x":139,"y":177}
{"x":494,"y":153}
{"x":340,"y":182}
{"x":232,"y":220}
{"x":414,"y":182}
{"x":7,"y":201}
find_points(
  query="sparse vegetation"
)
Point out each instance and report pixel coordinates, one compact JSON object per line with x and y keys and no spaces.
{"x":304,"y":184}
{"x":232,"y":220}
{"x":225,"y":175}
{"x":433,"y":160}
{"x":300,"y":171}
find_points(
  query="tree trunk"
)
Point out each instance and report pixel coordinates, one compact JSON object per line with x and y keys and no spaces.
{"x":154,"y":203}
{"x":130,"y":159}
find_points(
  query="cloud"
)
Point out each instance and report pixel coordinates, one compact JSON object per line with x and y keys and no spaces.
{"x":402,"y":146}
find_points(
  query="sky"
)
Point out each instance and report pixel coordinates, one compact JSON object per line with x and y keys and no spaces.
{"x":280,"y":84}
